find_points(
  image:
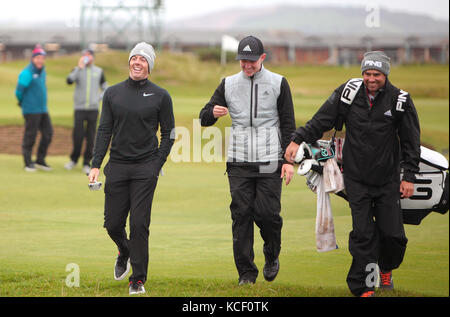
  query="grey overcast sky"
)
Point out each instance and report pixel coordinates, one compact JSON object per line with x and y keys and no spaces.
{"x":45,"y":10}
{"x":179,"y":8}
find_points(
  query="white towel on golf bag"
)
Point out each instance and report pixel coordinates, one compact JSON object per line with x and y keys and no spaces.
{"x":332,"y":176}
{"x":330,"y":181}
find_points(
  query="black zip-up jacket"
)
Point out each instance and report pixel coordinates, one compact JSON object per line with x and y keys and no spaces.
{"x":376,"y":139}
{"x":131,"y":113}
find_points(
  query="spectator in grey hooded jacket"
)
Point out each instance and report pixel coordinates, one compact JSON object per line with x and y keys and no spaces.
{"x":90,"y":85}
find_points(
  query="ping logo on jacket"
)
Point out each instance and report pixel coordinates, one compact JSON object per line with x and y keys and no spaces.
{"x":400,"y":100}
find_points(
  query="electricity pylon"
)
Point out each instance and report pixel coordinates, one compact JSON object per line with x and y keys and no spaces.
{"x":120,"y":23}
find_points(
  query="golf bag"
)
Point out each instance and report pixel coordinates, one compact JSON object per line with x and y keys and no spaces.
{"x":431,"y":188}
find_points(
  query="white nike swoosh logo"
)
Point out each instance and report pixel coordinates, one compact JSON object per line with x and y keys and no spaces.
{"x":146,"y":95}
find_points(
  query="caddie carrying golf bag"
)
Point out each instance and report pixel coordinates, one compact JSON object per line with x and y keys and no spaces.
{"x":431,"y":188}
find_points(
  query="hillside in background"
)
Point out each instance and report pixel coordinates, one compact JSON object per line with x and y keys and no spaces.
{"x":306,"y":19}
{"x":313,"y":20}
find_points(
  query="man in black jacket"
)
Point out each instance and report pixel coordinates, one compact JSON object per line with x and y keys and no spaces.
{"x":131,"y":113}
{"x":262,"y":113}
{"x":382,"y":136}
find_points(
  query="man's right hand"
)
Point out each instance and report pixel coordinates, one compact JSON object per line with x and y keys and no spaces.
{"x":81,"y":63}
{"x":291,"y":151}
{"x":219,"y":111}
{"x":93,"y":175}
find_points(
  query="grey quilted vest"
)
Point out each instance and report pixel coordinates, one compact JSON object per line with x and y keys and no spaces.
{"x":252,"y":104}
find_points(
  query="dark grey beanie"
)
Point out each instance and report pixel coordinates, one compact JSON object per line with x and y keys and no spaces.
{"x":377,"y":60}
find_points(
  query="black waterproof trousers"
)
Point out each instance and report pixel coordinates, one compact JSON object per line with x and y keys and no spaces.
{"x":129,"y":190}
{"x":85,"y":122}
{"x":33,"y":123}
{"x":255,"y":200}
{"x":378,"y":235}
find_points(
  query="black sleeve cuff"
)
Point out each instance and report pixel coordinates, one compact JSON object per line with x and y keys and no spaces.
{"x":296,"y":139}
{"x":409,"y":177}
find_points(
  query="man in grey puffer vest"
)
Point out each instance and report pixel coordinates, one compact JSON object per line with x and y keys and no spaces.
{"x":90,"y":85}
{"x":262,"y":113}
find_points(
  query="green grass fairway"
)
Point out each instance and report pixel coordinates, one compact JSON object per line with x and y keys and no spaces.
{"x":50,"y":220}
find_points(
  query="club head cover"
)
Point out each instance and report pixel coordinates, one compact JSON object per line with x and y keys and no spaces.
{"x":303,"y":152}
{"x":305,"y":166}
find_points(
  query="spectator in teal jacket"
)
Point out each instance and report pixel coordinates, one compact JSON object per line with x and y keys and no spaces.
{"x":31,"y":93}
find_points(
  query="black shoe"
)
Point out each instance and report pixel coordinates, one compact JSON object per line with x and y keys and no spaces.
{"x":121,"y":267}
{"x":136,"y":288}
{"x":271,"y":269}
{"x":246,"y":281}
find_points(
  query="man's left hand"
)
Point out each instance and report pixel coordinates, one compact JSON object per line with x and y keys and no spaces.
{"x":406,"y":189}
{"x":287,"y":172}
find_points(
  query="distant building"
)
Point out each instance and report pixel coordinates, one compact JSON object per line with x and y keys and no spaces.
{"x":282,"y":46}
{"x":297,"y":48}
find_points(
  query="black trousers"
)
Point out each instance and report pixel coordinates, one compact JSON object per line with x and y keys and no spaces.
{"x":84,"y":127}
{"x":129,"y":189}
{"x":255,"y":200}
{"x":33,"y":123}
{"x":378,"y":235}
